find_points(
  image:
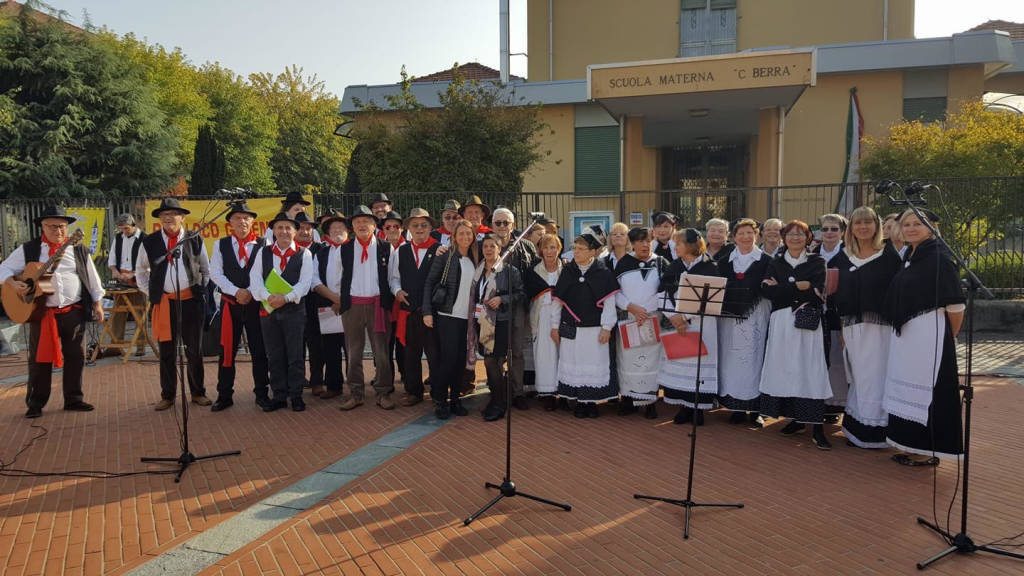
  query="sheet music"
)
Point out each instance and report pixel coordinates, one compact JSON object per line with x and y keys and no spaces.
{"x":691,"y":286}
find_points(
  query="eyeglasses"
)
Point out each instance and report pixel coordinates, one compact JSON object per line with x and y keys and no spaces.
{"x":450,"y":217}
{"x":418,"y":225}
{"x":502,"y":223}
{"x":830,"y":228}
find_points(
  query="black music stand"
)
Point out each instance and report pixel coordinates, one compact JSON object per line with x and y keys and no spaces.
{"x":702,"y":298}
{"x":187,"y":457}
{"x":507,"y":488}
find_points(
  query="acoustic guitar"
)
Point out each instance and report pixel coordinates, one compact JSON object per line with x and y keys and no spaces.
{"x":28,"y":307}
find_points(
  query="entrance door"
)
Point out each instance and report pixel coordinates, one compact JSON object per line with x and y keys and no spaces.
{"x":705,"y":181}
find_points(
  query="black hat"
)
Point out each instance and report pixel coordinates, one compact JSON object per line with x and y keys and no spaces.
{"x":475,"y":200}
{"x":54,"y":212}
{"x":662,"y":217}
{"x":593,"y":236}
{"x":691,"y":235}
{"x":419,"y":213}
{"x":241,"y":208}
{"x":283,"y":217}
{"x":379,"y":197}
{"x":334,"y":216}
{"x":303,"y":218}
{"x":392,"y":215}
{"x":169,"y":203}
{"x":294,"y":198}
{"x":360,"y":212}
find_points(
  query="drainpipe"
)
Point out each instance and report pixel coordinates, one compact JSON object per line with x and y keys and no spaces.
{"x":503,"y":33}
{"x":551,"y":40}
{"x":622,"y":167}
{"x":885,"y":20}
{"x":780,"y":136}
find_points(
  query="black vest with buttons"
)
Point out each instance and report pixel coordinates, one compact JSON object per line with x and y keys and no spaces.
{"x":33,"y":248}
{"x":156,"y":249}
{"x":238,"y":276}
{"x":348,"y":257}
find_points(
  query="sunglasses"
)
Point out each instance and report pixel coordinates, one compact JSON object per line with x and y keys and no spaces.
{"x":392,"y":227}
{"x":830,"y":228}
{"x":502,"y":223}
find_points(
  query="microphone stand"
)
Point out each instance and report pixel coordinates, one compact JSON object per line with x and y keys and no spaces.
{"x":688,"y":503}
{"x":507,"y":488}
{"x":186,"y":458}
{"x":959,"y":542}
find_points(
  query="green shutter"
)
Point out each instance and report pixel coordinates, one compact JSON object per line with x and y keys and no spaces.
{"x":925,"y":109}
{"x":597,"y":160}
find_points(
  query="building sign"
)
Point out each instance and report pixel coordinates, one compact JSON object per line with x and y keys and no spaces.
{"x":687,"y":75}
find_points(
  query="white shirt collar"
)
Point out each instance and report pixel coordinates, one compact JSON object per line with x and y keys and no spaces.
{"x":794,"y":262}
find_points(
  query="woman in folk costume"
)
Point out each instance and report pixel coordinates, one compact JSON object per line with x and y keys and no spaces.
{"x":639,"y":275}
{"x":741,"y":338}
{"x":678,"y":376}
{"x":833,"y":228}
{"x":925,"y":305}
{"x":865,"y":267}
{"x":539,"y":284}
{"x":664,"y":227}
{"x":585,"y":319}
{"x":794,"y":381}
{"x":618,"y":248}
{"x":498,"y":291}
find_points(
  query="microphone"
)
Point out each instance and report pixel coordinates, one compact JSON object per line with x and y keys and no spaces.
{"x":236,"y":193}
{"x":911,"y":194}
{"x":883,"y":186}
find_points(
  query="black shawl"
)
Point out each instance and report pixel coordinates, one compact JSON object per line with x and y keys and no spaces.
{"x":583,"y":295}
{"x":861,"y":293}
{"x":928,"y":280}
{"x":743,"y":290}
{"x":784,"y":293}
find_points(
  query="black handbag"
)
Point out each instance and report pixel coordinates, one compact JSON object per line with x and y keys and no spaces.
{"x":567,"y":328}
{"x":807,"y":317}
{"x":440,"y":294}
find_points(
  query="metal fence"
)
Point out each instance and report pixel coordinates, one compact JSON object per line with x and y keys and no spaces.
{"x":982,"y":217}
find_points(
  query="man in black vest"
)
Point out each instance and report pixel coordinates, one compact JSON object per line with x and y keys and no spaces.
{"x":191,"y":272}
{"x":283,"y":318}
{"x":365,"y":302}
{"x":232,"y":260}
{"x":121,"y":263}
{"x":327,"y":286}
{"x":56,"y":339}
{"x":304,"y":239}
{"x":408,"y":274}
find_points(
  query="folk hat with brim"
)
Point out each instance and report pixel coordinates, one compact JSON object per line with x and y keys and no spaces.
{"x":169,"y":204}
{"x":241,"y":208}
{"x":295,"y":198}
{"x":303,"y":218}
{"x":593,"y":236}
{"x":475,"y":200}
{"x":283,"y":217}
{"x":362,"y":211}
{"x":379,"y":197}
{"x":336,"y":216}
{"x":54,"y":212}
{"x":392,"y":215}
{"x":419,"y":213}
{"x":451,"y":206}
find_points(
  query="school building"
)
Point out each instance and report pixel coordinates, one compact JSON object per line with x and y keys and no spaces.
{"x":661,"y":95}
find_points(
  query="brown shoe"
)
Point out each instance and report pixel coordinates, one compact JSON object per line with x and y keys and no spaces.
{"x":318,"y":390}
{"x":409,"y":400}
{"x":386,"y":402}
{"x":164,"y":404}
{"x":328,"y":394}
{"x":350,"y":404}
{"x":201,"y":400}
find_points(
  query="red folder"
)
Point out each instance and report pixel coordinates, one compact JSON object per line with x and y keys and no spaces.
{"x":685,"y":345}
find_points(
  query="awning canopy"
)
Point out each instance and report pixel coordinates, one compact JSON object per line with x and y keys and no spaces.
{"x":697,"y":100}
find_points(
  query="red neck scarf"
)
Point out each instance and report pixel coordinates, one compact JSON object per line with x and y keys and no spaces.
{"x":417,"y":247}
{"x":53,"y":247}
{"x":284,"y":256}
{"x":303,"y":244}
{"x":366,"y":246}
{"x":172,"y":242}
{"x":330,"y":241}
{"x":482,"y":229}
{"x":243,"y":255}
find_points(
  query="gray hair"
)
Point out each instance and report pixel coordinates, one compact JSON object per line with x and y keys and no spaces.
{"x":504,"y":211}
{"x":125,"y":220}
{"x":716,"y":222}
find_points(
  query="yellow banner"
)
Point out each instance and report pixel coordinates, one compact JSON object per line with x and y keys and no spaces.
{"x":267,"y":208}
{"x":90,"y":221}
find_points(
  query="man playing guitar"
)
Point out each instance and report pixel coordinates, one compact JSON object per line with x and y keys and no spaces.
{"x":56,"y":338}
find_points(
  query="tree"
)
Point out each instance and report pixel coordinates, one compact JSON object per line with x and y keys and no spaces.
{"x":243,"y":127}
{"x":76,"y":120}
{"x":306,"y":155}
{"x":477,"y":141}
{"x":208,"y":166}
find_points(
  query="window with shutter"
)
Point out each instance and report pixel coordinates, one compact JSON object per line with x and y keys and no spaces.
{"x":707,"y":27}
{"x":597,"y":160}
{"x":931,"y":109}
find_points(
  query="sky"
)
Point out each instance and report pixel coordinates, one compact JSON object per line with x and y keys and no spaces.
{"x":346,"y":42}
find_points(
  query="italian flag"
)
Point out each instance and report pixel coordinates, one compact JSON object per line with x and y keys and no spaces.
{"x":851,"y":174}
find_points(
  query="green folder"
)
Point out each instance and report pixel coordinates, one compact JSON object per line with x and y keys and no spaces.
{"x":275,"y":284}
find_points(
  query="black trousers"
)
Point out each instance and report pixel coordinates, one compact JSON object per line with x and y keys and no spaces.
{"x":282,"y":336}
{"x":314,"y":347}
{"x":245,"y":317}
{"x":331,"y":349}
{"x":70,"y":330}
{"x":192,"y":319}
{"x":397,"y":353}
{"x":446,"y":381}
{"x":418,"y":340}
